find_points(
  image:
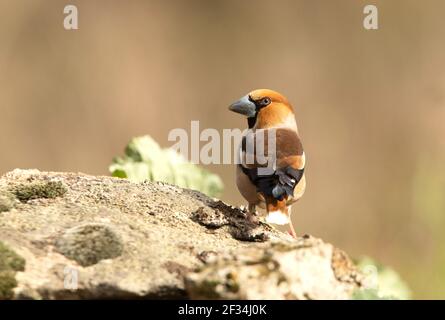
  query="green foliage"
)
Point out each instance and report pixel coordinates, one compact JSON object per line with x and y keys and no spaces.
{"x":144,"y":160}
{"x":368,"y":294}
{"x":388,"y":284}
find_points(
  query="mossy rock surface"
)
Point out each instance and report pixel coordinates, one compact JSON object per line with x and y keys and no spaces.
{"x":37,"y":190}
{"x":7,"y":201}
{"x":92,"y":237}
{"x":10,"y":262}
{"x":88,"y":244}
{"x":7,"y":284}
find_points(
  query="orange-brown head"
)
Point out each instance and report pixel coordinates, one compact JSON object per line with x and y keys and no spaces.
{"x":265,"y":108}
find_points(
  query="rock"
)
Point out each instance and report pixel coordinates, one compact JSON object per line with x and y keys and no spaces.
{"x":90,"y":243}
{"x":75,"y":236}
{"x":6,"y":201}
{"x":302,"y":269}
{"x":10,"y":262}
{"x":36,"y":190}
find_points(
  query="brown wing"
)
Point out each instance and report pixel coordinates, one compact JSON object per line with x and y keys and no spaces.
{"x":258,"y":149}
{"x":274,"y":160}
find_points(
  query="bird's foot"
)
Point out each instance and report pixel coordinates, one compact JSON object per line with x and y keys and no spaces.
{"x":252,"y":218}
{"x":252,"y":215}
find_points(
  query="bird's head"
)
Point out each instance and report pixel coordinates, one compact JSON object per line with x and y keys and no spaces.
{"x":265,"y":108}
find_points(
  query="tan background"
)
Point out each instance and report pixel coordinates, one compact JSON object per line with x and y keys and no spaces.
{"x":370,"y":104}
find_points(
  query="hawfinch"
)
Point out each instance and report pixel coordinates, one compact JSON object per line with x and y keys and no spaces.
{"x":270,"y":172}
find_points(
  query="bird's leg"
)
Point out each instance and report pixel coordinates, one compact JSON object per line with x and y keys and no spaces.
{"x":251,"y":213}
{"x":291,"y":226}
{"x":292,"y":230}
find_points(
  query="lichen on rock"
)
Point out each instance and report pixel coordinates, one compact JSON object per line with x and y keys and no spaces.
{"x":88,"y":244}
{"x":10,"y":263}
{"x":6,"y":201}
{"x":37,"y":190}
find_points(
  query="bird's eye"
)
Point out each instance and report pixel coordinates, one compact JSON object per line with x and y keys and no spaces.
{"x":265,"y":101}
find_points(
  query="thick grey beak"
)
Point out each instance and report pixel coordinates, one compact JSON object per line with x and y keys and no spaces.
{"x":244,"y":106}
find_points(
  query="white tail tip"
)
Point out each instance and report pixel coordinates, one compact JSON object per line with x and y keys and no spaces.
{"x":277,"y":217}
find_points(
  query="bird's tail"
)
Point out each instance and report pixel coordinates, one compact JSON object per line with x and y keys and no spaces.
{"x":277,"y":211}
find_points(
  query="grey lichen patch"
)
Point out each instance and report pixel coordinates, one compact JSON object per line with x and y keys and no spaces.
{"x":90,"y":243}
{"x":6,"y":201}
{"x":10,"y":262}
{"x":37,"y":190}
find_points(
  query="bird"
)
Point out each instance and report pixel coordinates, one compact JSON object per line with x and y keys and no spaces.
{"x":270,"y":171}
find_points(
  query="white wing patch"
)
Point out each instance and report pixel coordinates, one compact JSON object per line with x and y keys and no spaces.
{"x":277,"y":217}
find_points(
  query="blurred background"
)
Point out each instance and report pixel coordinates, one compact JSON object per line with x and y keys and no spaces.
{"x":370,"y":104}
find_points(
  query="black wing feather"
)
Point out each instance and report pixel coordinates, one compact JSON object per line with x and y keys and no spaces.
{"x":278,"y":184}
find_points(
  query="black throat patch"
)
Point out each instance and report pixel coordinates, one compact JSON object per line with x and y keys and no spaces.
{"x":251,"y":121}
